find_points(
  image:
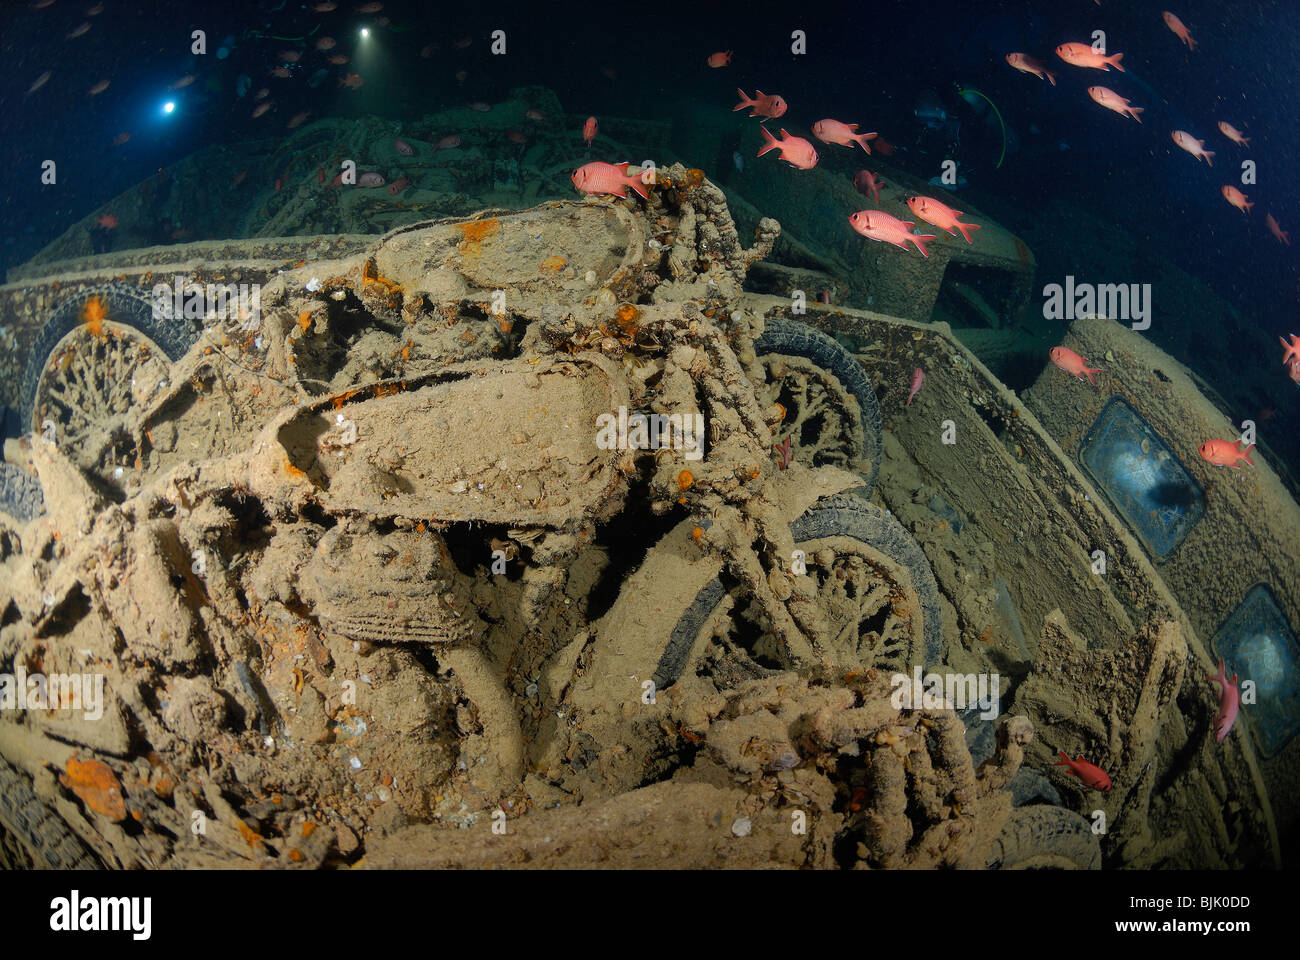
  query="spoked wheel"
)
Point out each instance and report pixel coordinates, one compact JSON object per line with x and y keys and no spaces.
{"x":874,"y":592}
{"x":95,"y":364}
{"x":832,"y":417}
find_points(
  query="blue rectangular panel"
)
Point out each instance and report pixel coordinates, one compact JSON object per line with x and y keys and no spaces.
{"x":1257,"y":643}
{"x":1153,"y":492}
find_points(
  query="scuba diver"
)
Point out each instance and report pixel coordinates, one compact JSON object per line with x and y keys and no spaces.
{"x":967,"y":128}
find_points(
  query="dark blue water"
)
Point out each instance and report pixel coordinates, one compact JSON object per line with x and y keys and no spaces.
{"x":867,"y":62}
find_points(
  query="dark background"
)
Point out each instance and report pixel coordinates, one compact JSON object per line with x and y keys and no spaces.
{"x":866,"y":61}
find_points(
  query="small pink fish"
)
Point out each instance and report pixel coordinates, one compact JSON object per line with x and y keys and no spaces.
{"x":1233,"y":134}
{"x":337,"y":59}
{"x":796,"y":151}
{"x":326,"y":43}
{"x":1236,"y":198}
{"x":1027,"y":64}
{"x":1229,"y":701}
{"x":719,"y":59}
{"x":297,"y":119}
{"x":449,"y":142}
{"x":98,"y":88}
{"x":599,"y":177}
{"x":1091,"y":774}
{"x":864,"y":181}
{"x":404,"y":148}
{"x":290,"y":56}
{"x":261,"y":108}
{"x":845,"y":134}
{"x":918,"y":378}
{"x":184,"y":81}
{"x":1291,"y":351}
{"x":1179,"y":29}
{"x":398,"y":186}
{"x":1193,"y":146}
{"x":763,"y":104}
{"x":370,"y":179}
{"x":80,"y":31}
{"x":534,"y":114}
{"x":589,"y":129}
{"x":1226,"y":453}
{"x":1277,"y":231}
{"x":1073,"y":364}
{"x":886,"y":228}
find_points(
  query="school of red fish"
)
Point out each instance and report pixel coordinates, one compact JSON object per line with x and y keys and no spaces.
{"x":883,"y":227}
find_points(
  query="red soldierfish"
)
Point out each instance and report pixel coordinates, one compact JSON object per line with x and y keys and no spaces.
{"x":1081,"y":55}
{"x":1027,"y":64}
{"x":720,"y":59}
{"x":1276,"y":230}
{"x":1073,"y":364}
{"x":398,"y":186}
{"x":599,"y":177}
{"x":1225,"y":453}
{"x":1176,"y":25}
{"x":1091,"y":774}
{"x":1292,"y":354}
{"x":764,"y":105}
{"x":1233,"y":134}
{"x":795,"y":151}
{"x":918,"y":378}
{"x":1111,"y":100}
{"x":845,"y":134}
{"x":1193,"y":146}
{"x":1229,"y":701}
{"x":864,"y":181}
{"x":878,"y":225}
{"x":942,"y":216}
{"x":1236,"y":198}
